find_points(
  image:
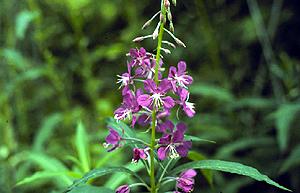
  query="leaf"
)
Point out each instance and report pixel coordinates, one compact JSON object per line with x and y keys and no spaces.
{"x":49,"y":164}
{"x":46,"y":131}
{"x":39,"y":176}
{"x":22,"y":22}
{"x":101,"y":172}
{"x":116,"y":179}
{"x":91,"y":189}
{"x":292,"y":160}
{"x":195,"y":156}
{"x":211,"y":91}
{"x":15,"y":59}
{"x":121,"y":128}
{"x":231,"y":167}
{"x":81,"y":142}
{"x":284,"y":117}
{"x":197,"y":139}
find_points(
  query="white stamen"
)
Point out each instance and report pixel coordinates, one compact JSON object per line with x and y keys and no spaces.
{"x":173,"y":153}
{"x":156,"y":97}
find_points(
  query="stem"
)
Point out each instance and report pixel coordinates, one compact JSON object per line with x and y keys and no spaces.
{"x":152,"y":147}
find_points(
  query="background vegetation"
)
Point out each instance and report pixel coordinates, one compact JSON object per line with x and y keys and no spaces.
{"x":60,"y":58}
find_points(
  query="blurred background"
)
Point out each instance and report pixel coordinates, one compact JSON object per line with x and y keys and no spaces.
{"x":60,"y":58}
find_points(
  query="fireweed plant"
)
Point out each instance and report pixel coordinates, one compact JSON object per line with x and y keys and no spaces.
{"x":151,"y":92}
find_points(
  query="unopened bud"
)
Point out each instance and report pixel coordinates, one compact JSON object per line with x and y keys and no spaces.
{"x":167,"y":3}
{"x":138,"y":39}
{"x":169,"y":15}
{"x":162,"y":18}
{"x":167,"y":51}
{"x":174,"y":2}
{"x":179,"y":42}
{"x":155,"y":33}
{"x":146,"y":24}
{"x":171,"y":27}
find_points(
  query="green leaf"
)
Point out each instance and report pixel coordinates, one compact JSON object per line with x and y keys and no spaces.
{"x":46,"y":131}
{"x":22,"y":22}
{"x":231,"y":167}
{"x":91,"y":189}
{"x":284,"y":117}
{"x":292,"y":161}
{"x":101,"y":172}
{"x":195,"y":156}
{"x":121,"y":128}
{"x":211,"y":91}
{"x":39,"y":176}
{"x":116,"y":179}
{"x":197,"y":139}
{"x":81,"y":142}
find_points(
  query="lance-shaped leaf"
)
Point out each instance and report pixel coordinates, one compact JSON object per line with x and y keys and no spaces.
{"x":231,"y":167}
{"x":101,"y":172}
{"x":91,"y":189}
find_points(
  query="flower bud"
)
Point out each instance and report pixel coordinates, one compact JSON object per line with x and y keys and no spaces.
{"x":174,"y":2}
{"x":167,"y":3}
{"x":155,"y":33}
{"x":138,"y":39}
{"x":171,"y":27}
{"x":162,"y":18}
{"x":123,"y":189}
{"x":169,"y":16}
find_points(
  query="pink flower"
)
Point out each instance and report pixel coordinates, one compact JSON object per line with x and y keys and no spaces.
{"x":157,"y":95}
{"x":123,"y":189}
{"x":173,"y":144}
{"x":139,"y":154}
{"x":178,"y":77}
{"x":113,"y":139}
{"x":186,"y":180}
{"x":188,"y":107}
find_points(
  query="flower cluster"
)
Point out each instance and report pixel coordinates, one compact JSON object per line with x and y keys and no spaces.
{"x":139,"y":103}
{"x":143,"y":94}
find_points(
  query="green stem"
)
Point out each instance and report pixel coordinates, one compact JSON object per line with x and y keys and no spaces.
{"x":152,"y":147}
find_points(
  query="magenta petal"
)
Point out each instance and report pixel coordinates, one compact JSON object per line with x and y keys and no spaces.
{"x":184,"y":149}
{"x":188,"y":79}
{"x":189,"y":111}
{"x":144,"y":100}
{"x":179,"y":133}
{"x":168,"y":102}
{"x":183,"y":94}
{"x":150,"y":85}
{"x":172,"y":72}
{"x":144,"y":120}
{"x":181,"y":67}
{"x":190,"y":173}
{"x":164,"y":86}
{"x":162,"y":153}
{"x":113,"y":137}
{"x":142,"y":51}
{"x":165,"y":139}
